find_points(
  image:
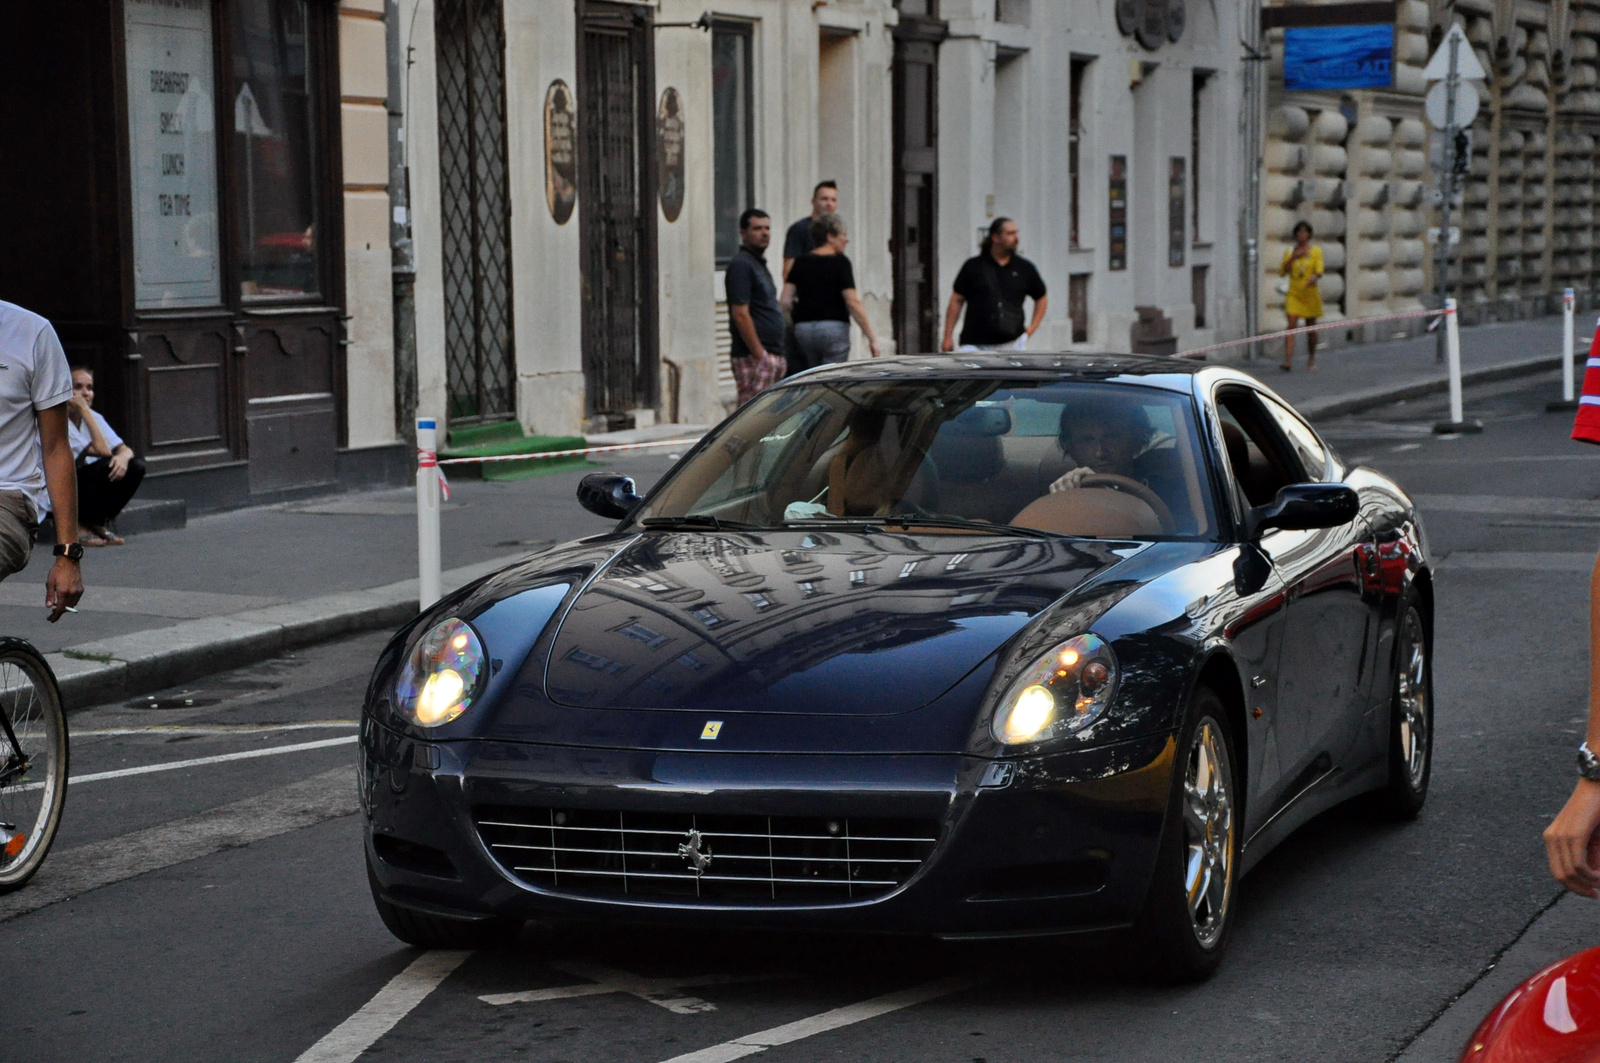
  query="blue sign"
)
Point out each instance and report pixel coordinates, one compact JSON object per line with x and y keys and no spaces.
{"x":1338,"y":57}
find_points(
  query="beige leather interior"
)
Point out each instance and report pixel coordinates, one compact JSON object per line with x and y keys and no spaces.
{"x":1109,"y":514}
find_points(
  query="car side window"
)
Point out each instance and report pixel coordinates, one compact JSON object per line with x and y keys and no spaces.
{"x":1307,"y":447}
{"x":1261,"y":460}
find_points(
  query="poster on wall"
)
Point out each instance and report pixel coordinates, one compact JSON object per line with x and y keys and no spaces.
{"x":560,"y":152}
{"x":1118,"y":200}
{"x":1338,"y":57}
{"x":669,"y":153}
{"x":1177,"y":208}
{"x":172,"y":153}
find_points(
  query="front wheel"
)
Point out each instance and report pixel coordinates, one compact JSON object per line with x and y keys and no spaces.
{"x":1188,"y":912}
{"x":436,"y":931}
{"x":33,"y":762}
{"x":1410,"y":721}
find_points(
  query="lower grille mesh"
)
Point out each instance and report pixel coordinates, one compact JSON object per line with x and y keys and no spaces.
{"x":741,"y":859}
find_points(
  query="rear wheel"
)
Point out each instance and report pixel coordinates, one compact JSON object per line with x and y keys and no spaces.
{"x":428,"y":931}
{"x":1189,"y":910}
{"x":1410,"y":721}
{"x":33,"y":762}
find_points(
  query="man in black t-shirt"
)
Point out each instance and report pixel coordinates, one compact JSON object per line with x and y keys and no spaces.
{"x":798,"y":241}
{"x":754,"y":317}
{"x":992,"y":286}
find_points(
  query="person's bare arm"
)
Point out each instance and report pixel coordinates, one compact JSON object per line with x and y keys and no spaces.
{"x":740,"y":313}
{"x":120,"y":459}
{"x":852,"y":302}
{"x":952,"y":314}
{"x":788,"y":264}
{"x":1039,"y":306}
{"x":1572,"y":841}
{"x":786,"y":297}
{"x":98,"y":446}
{"x":64,"y":585}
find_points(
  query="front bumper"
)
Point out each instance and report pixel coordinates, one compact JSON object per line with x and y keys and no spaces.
{"x":1030,"y":845}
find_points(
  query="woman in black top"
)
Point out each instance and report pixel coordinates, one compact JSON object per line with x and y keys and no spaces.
{"x":821,"y":295}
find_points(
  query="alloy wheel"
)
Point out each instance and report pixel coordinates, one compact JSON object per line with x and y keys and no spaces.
{"x":1208,"y":833}
{"x":1412,"y":698}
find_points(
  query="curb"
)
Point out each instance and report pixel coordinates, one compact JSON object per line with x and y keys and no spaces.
{"x":142,"y":662}
{"x":1358,"y":401}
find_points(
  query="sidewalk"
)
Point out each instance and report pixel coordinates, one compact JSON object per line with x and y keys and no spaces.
{"x":1354,"y":378}
{"x":235,"y":587}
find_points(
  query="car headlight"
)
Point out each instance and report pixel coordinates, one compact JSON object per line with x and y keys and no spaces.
{"x":441,"y":674}
{"x":1064,"y":691}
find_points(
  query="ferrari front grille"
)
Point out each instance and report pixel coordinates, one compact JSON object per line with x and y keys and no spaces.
{"x":720,"y":859}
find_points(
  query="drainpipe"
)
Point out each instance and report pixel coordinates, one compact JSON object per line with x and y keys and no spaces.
{"x":402,"y":254}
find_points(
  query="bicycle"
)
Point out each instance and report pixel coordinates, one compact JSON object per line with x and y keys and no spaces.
{"x":34,"y":751}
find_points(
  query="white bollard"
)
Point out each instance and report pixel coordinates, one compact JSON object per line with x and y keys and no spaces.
{"x":428,"y":590}
{"x":1452,"y":346}
{"x":1568,"y":300}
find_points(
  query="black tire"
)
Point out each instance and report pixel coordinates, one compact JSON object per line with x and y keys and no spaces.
{"x":440,"y":932}
{"x":1185,"y":926}
{"x":1410,"y":751}
{"x":30,"y":804}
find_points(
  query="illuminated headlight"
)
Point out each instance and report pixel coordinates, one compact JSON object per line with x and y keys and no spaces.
{"x":1064,"y":691}
{"x":441,"y":675}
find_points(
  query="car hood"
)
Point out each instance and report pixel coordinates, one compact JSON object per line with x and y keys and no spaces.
{"x":863,"y":624}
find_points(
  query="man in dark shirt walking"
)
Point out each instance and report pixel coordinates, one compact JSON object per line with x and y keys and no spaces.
{"x":753,"y":311}
{"x":798,"y":242}
{"x":992,"y":286}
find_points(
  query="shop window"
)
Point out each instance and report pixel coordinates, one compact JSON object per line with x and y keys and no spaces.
{"x":172,"y":142}
{"x":733,"y":140}
{"x":275,"y":150}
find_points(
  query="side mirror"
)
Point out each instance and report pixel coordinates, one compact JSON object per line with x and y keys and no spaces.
{"x":608,"y":495}
{"x":1301,"y":507}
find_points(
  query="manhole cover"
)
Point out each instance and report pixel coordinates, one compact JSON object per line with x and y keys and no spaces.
{"x":172,"y":701}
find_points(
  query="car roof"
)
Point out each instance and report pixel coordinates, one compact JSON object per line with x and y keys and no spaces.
{"x":1165,"y":371}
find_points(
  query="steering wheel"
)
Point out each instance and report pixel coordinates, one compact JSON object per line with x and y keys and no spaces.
{"x":1129,"y":486}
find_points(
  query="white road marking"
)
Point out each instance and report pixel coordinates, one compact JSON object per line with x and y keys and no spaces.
{"x":751,"y":1043}
{"x":378,"y":1016}
{"x":213,"y":729}
{"x":72,"y":872}
{"x":199,"y":762}
{"x":663,"y":992}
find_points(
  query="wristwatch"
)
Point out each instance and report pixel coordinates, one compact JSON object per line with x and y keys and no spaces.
{"x":1588,"y":763}
{"x":70,"y":551}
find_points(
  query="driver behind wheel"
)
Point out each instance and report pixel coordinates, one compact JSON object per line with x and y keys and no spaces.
{"x":1116,"y":440}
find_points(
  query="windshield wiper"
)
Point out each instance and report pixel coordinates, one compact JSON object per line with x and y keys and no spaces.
{"x":906,"y":521}
{"x":701,"y":520}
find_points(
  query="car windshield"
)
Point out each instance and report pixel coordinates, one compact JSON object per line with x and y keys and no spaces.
{"x":1027,"y":457}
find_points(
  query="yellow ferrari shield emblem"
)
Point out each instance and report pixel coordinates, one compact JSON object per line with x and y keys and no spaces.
{"x":711,"y":730}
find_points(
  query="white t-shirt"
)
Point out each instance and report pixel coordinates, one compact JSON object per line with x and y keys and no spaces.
{"x":33,"y":376}
{"x":78,"y":435}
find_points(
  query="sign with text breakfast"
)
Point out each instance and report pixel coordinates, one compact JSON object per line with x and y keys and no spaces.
{"x":1338,"y":57}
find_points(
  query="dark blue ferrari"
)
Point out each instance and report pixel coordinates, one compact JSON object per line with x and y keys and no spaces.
{"x":976,"y":645}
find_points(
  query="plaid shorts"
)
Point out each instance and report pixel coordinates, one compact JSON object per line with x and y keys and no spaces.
{"x":755,"y":373}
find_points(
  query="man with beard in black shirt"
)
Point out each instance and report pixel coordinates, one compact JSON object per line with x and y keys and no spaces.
{"x":992,"y":286}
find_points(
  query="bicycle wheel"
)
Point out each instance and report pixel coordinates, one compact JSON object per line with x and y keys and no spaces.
{"x":33,"y":761}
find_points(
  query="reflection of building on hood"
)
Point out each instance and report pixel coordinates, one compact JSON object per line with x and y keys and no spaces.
{"x":740,"y":617}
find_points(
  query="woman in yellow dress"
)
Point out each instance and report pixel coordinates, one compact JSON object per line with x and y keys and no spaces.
{"x":1302,"y":264}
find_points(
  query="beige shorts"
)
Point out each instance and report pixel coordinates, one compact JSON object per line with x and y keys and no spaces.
{"x":18,"y":524}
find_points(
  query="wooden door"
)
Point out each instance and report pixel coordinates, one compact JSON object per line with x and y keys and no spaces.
{"x":616,"y":207}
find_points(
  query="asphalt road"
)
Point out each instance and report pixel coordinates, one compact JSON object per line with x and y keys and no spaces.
{"x":219,"y":911}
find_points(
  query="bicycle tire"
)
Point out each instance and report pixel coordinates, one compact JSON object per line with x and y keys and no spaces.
{"x":32,"y":803}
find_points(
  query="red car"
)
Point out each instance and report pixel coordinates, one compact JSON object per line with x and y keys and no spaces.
{"x":1553,"y":1017}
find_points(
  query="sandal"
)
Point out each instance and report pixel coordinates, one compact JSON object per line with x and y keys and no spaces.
{"x":90,"y":539}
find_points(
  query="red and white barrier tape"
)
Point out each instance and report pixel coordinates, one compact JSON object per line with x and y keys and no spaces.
{"x":427,"y":458}
{"x":1349,"y":322}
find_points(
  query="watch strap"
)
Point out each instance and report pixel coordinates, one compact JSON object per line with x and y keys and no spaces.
{"x":1588,"y":763}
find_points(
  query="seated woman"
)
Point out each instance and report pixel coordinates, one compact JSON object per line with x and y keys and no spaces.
{"x":108,"y":471}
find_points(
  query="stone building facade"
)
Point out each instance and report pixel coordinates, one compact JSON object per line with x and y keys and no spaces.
{"x":1357,"y":166}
